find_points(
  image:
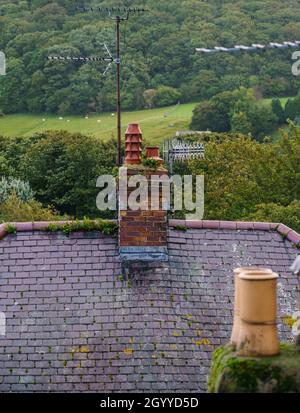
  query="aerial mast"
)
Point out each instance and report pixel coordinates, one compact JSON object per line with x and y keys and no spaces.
{"x":119,"y":15}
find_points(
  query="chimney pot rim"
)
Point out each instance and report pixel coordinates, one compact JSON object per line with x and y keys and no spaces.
{"x":133,"y":129}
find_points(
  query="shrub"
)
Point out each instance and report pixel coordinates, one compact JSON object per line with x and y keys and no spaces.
{"x":106,"y":227}
{"x":20,"y":188}
{"x":16,"y":210}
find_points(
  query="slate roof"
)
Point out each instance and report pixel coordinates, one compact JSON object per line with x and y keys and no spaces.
{"x":77,"y":321}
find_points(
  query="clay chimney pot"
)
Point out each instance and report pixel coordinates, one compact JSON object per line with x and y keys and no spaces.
{"x":133,"y":129}
{"x":258,"y":334}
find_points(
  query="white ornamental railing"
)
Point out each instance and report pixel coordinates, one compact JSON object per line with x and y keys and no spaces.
{"x":180,"y":151}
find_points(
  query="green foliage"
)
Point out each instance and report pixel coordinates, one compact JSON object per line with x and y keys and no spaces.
{"x":236,"y":111}
{"x":279,"y":111}
{"x":166,"y":96}
{"x":288,"y":215}
{"x":180,"y":228}
{"x":87,"y":225}
{"x":63,"y":168}
{"x":16,"y":210}
{"x":150,"y":163}
{"x":11,"y":151}
{"x":11,"y":229}
{"x":241,"y":174}
{"x":292,"y":108}
{"x":158,"y":50}
{"x":244,"y":179}
{"x":14,"y":185}
{"x":206,"y":116}
{"x":233,"y":374}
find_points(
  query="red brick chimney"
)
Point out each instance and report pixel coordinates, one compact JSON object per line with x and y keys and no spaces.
{"x":143,"y":232}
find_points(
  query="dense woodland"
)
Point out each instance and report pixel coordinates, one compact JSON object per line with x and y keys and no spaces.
{"x":160,"y":65}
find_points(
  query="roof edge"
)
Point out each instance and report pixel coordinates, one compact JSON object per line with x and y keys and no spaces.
{"x":282,"y":229}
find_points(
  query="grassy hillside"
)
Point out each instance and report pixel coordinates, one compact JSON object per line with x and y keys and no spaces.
{"x":157,"y":124}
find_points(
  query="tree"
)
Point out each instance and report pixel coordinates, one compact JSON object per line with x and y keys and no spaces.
{"x":50,"y":16}
{"x":132,"y":97}
{"x":236,"y":111}
{"x":148,"y":96}
{"x":12,"y":149}
{"x":166,"y":96}
{"x":278,"y":111}
{"x":240,"y":123}
{"x":241,"y":174}
{"x":263,"y":120}
{"x":204,"y":85}
{"x":272,"y":212}
{"x":63,"y":168}
{"x":292,"y":108}
{"x":155,"y":52}
{"x":13,"y":87}
{"x":206,"y":116}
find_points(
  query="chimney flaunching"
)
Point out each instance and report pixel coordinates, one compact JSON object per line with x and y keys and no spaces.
{"x":142,"y":227}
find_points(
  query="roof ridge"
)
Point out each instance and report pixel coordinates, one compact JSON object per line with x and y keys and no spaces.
{"x":36,"y":226}
{"x":284,"y":230}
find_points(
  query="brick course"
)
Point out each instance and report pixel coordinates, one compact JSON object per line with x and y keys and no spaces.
{"x":144,"y":228}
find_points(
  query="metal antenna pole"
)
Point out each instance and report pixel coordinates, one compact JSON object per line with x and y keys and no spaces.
{"x":118,"y":21}
{"x":123,"y":14}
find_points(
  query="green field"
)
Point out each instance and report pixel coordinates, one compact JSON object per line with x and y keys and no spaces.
{"x":156,"y":124}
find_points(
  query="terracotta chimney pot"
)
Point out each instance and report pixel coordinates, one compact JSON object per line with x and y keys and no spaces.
{"x":133,"y":129}
{"x":133,"y":144}
{"x":152,"y":152}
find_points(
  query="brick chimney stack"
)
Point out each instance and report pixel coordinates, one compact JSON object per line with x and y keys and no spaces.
{"x":143,"y":232}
